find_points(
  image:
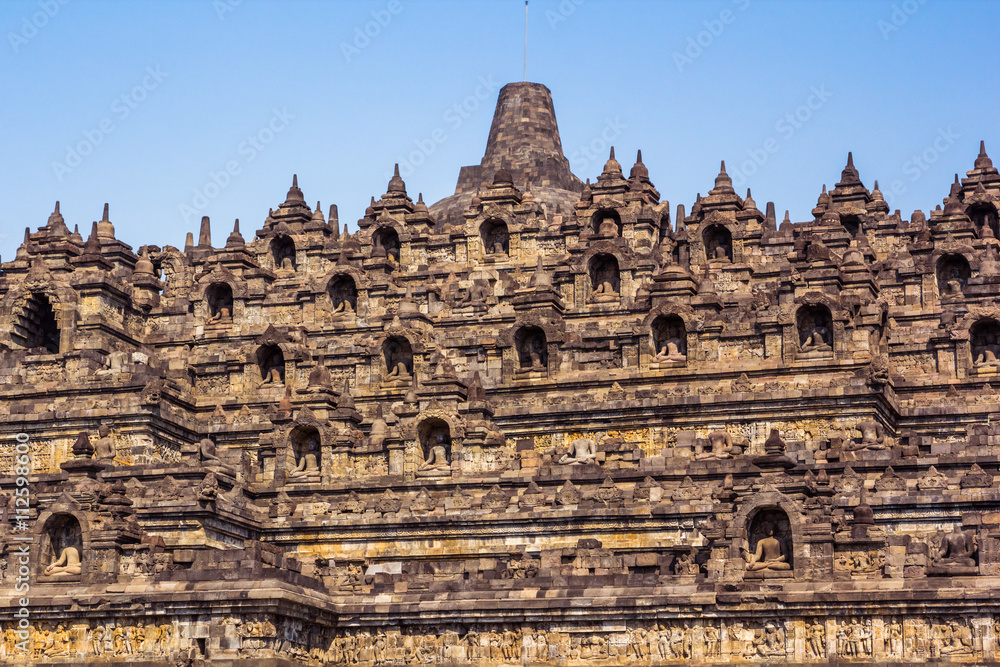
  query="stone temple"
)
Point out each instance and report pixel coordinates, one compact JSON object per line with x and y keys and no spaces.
{"x":540,"y":422}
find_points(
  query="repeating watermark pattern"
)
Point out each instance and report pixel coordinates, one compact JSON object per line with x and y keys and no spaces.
{"x":697,"y":44}
{"x":920,"y":163}
{"x":565,"y":9}
{"x":596,"y":150}
{"x":247,"y":151}
{"x":47,"y":10}
{"x":363,"y":35}
{"x":901,"y":13}
{"x":121,"y":108}
{"x":785,"y":127}
{"x":22,"y":541}
{"x":223,"y":7}
{"x":453,"y":118}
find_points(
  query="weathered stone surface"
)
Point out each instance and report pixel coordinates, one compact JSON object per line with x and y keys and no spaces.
{"x":540,"y":422}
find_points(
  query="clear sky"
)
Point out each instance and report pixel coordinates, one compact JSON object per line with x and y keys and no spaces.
{"x":147,"y":104}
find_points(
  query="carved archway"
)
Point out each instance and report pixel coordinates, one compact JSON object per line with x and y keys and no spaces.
{"x":984,"y":214}
{"x":385,"y":243}
{"x":495,"y":236}
{"x":343,"y":292}
{"x":35,"y":324}
{"x":61,"y":547}
{"x":814,"y":328}
{"x":219,"y":297}
{"x":606,"y":222}
{"x":953,"y":273}
{"x":283,"y":252}
{"x":718,"y":242}
{"x":605,"y":277}
{"x":532,"y":348}
{"x":271,"y":362}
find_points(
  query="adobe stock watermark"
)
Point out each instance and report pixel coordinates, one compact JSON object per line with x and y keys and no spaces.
{"x":598,"y":148}
{"x":704,"y":39}
{"x":920,"y":163}
{"x":21,"y":555}
{"x":363,"y":35}
{"x":121,"y":108}
{"x":565,"y":9}
{"x":453,"y":118}
{"x":786,"y":127}
{"x":47,"y":10}
{"x":901,"y":13}
{"x":223,"y":7}
{"x":247,"y":151}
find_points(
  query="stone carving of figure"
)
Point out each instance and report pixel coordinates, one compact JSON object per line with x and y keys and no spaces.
{"x":60,"y":641}
{"x":957,"y":639}
{"x":722,"y":252}
{"x":344,"y":307}
{"x":954,"y":282}
{"x":816,"y":640}
{"x":498,"y":248}
{"x":67,"y":565}
{"x":686,"y":563}
{"x":222,"y":314}
{"x":582,"y":450}
{"x":670,"y":351}
{"x":712,"y":644}
{"x":720,"y":446}
{"x":958,"y":548}
{"x":272,"y":369}
{"x":605,"y":291}
{"x":206,"y":451}
{"x":872,"y":436}
{"x":535,"y":351}
{"x":319,"y":376}
{"x":608,"y":227}
{"x":768,"y":555}
{"x":97,"y":640}
{"x":308,"y":463}
{"x":989,"y":354}
{"x":816,"y":338}
{"x":104,"y":448}
{"x":437,"y":459}
{"x":395,"y":363}
{"x":769,"y":642}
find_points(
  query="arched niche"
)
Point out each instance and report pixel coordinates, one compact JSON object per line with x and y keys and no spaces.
{"x":61,"y":548}
{"x":605,"y":278}
{"x":495,"y":236}
{"x":984,"y":214}
{"x":953,"y":273}
{"x":814,"y":325}
{"x":305,"y":455}
{"x":851,"y":223}
{"x":283,"y":252}
{"x":219,"y":297}
{"x":532,"y":349}
{"x":343,"y":293}
{"x":668,"y":337}
{"x":397,"y":356}
{"x":434,"y":436}
{"x":769,"y":542}
{"x":718,"y":241}
{"x":607,"y":222}
{"x":984,"y":337}
{"x":271,"y":362}
{"x":385,"y":243}
{"x":35,"y":324}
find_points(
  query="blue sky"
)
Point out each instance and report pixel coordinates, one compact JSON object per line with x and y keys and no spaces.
{"x":148,"y":105}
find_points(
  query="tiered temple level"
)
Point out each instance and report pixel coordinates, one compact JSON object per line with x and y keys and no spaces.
{"x":570,"y":429}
